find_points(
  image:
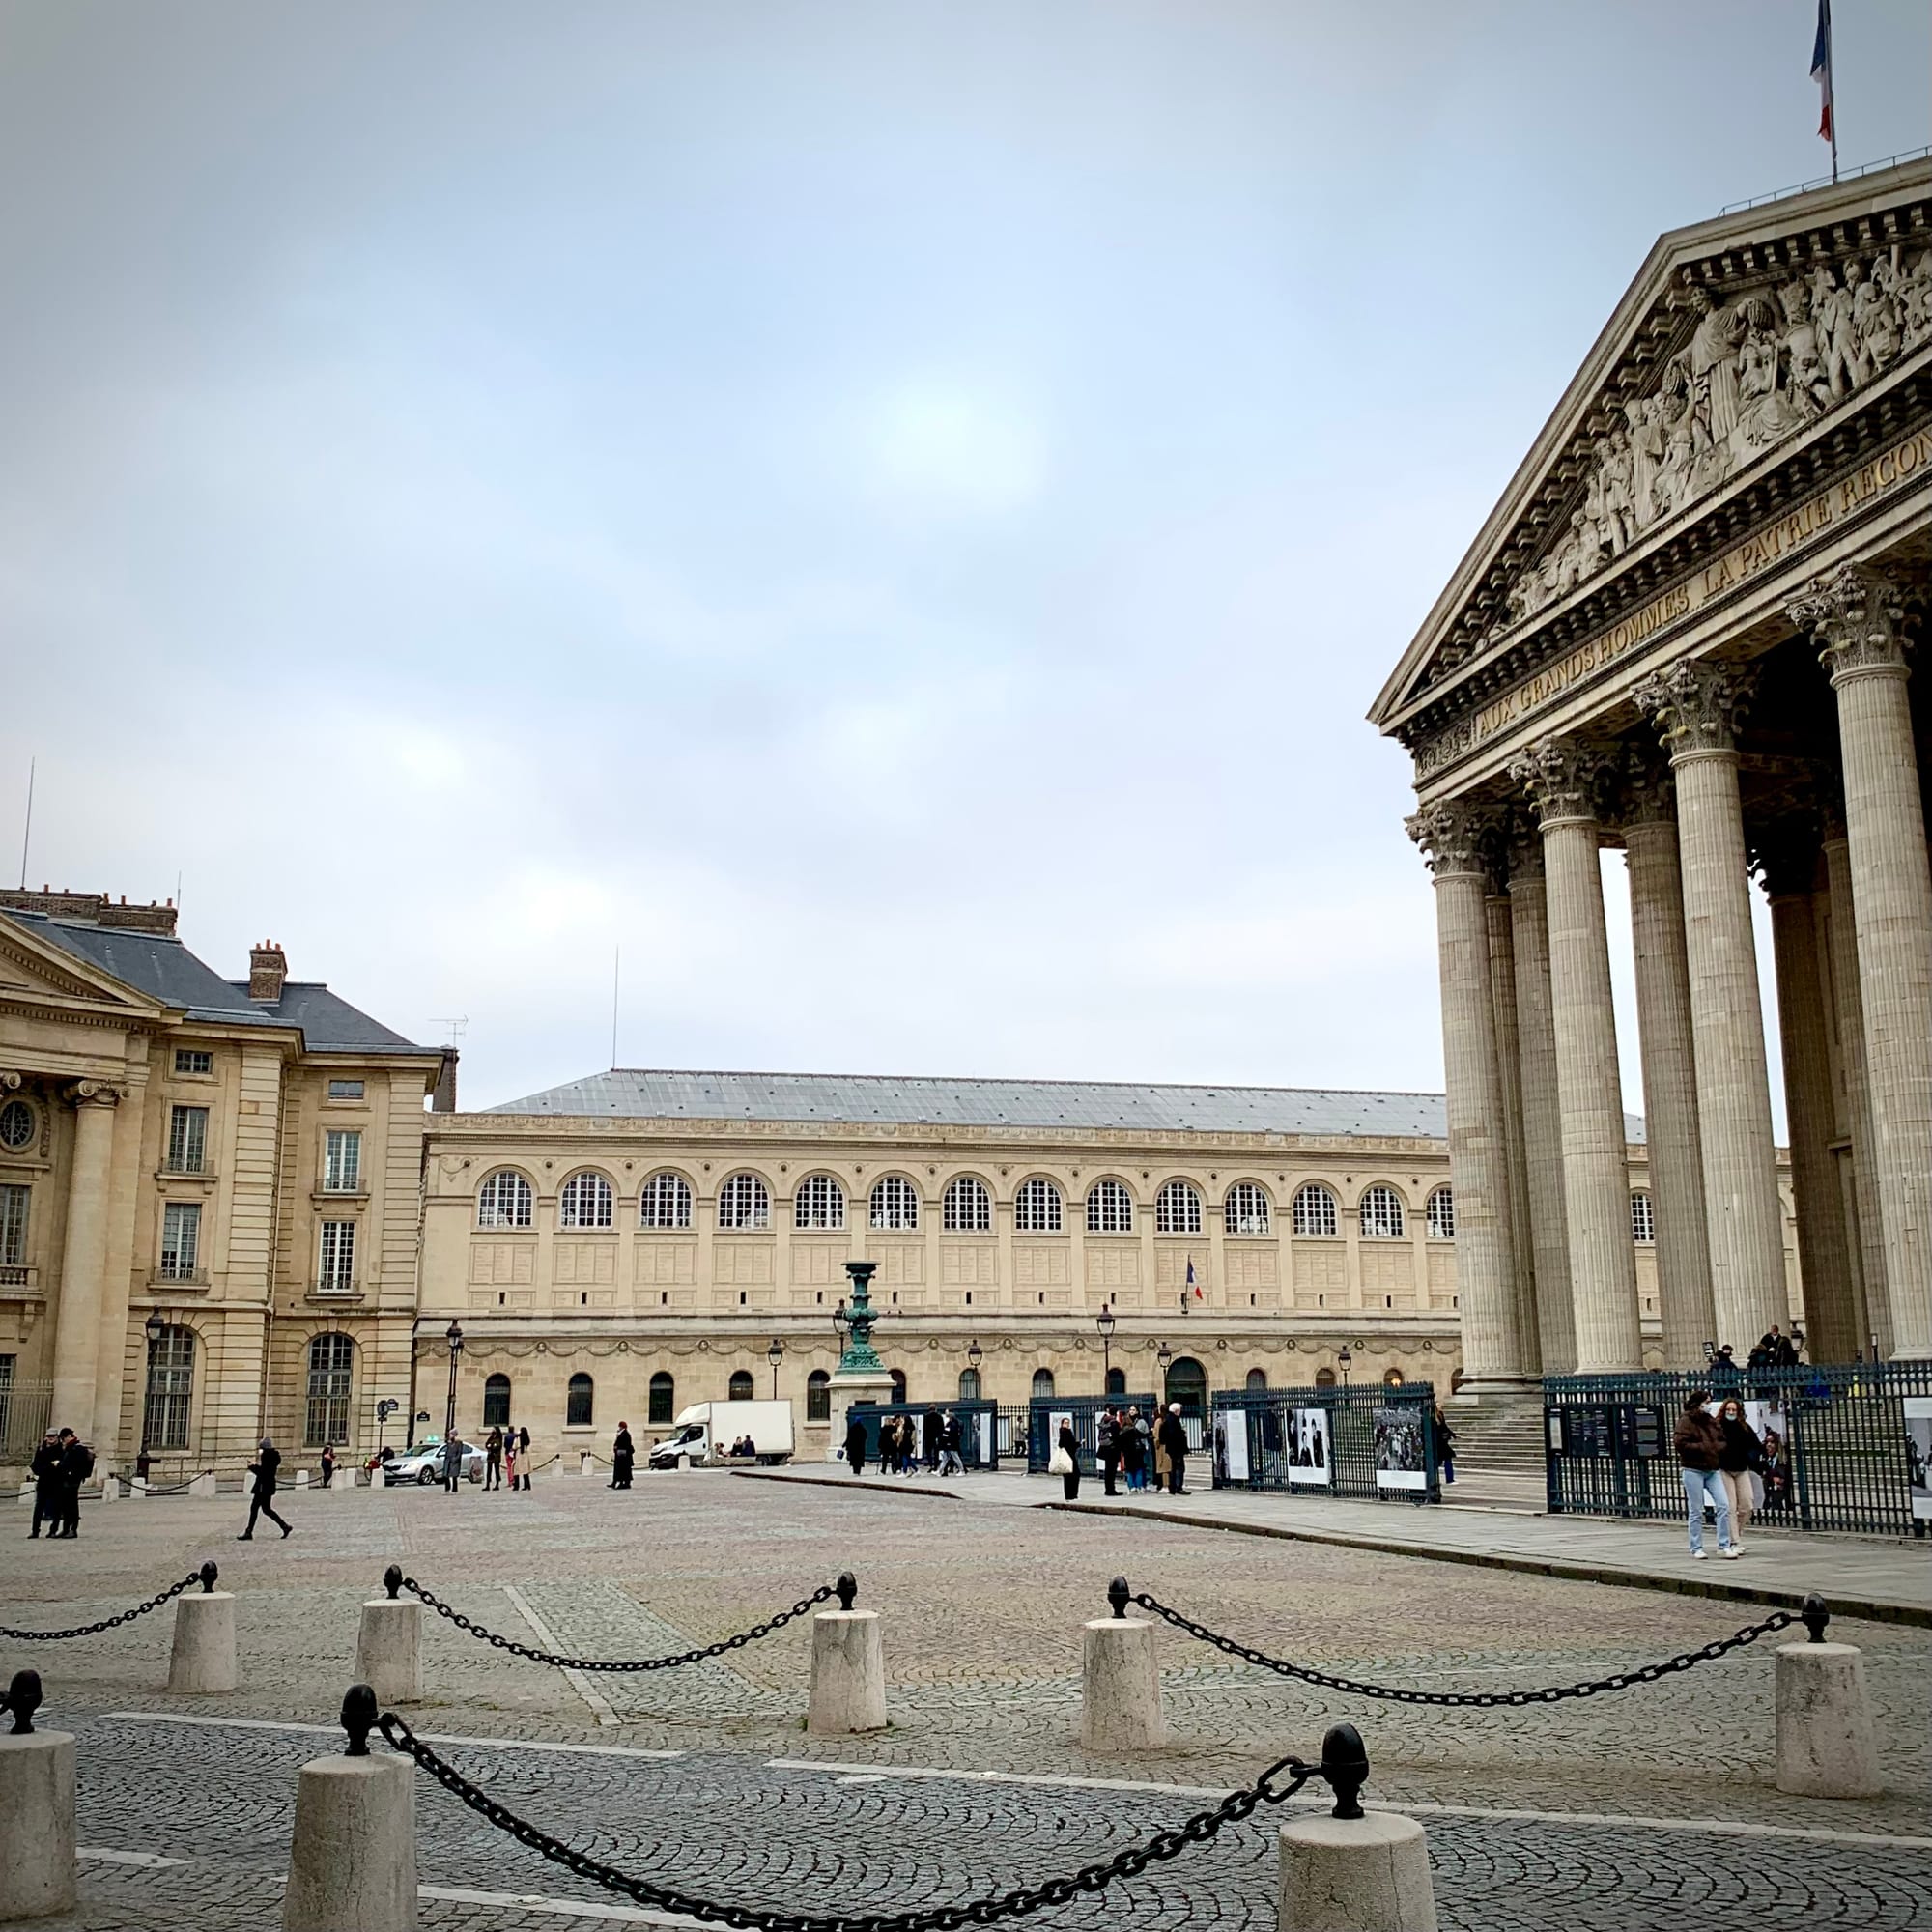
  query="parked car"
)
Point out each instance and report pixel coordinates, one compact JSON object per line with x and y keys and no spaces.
{"x":423,"y":1464}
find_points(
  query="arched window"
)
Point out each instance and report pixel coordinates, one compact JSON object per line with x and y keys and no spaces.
{"x":894,"y":1203}
{"x":819,"y":1202}
{"x":664,"y":1202}
{"x":744,"y":1202}
{"x":1257,"y":1379}
{"x":1315,"y":1211}
{"x":170,"y":1395}
{"x":1036,"y":1208}
{"x":899,"y":1384}
{"x":579,"y":1400}
{"x":331,"y":1362}
{"x":1117,"y":1381}
{"x":740,"y":1388}
{"x":968,"y":1384}
{"x":503,"y":1201}
{"x":1187,"y":1384}
{"x":585,"y":1201}
{"x":1392,"y":1379}
{"x":1110,"y":1209}
{"x":1325,"y":1378}
{"x":1245,"y":1211}
{"x":1381,"y":1214}
{"x":1042,"y":1382}
{"x":496,"y":1402}
{"x":969,"y":1208}
{"x":818,"y":1396}
{"x":663,"y":1399}
{"x":1176,"y":1209}
{"x":1643,"y":1221}
{"x":1442,"y":1215}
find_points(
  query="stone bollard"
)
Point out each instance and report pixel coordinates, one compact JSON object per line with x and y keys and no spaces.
{"x":342,"y":1482}
{"x":1350,"y":1871}
{"x":584,"y":1463}
{"x":138,"y":1489}
{"x":110,"y":1489}
{"x":1120,"y":1682}
{"x":353,"y":1863}
{"x":1826,"y":1743}
{"x":27,"y":1493}
{"x":302,"y":1479}
{"x":848,"y":1669}
{"x":388,"y":1646}
{"x":202,"y":1484}
{"x":36,"y":1873}
{"x":203,"y":1660}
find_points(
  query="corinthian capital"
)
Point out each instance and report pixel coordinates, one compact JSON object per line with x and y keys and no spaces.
{"x":1454,"y":836}
{"x":1852,"y":614}
{"x":1563,"y":777}
{"x":1696,"y":705}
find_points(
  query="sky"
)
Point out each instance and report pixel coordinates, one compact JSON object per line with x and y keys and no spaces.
{"x":887,"y":516}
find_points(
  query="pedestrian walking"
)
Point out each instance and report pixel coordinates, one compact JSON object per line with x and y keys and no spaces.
{"x":1134,"y":1452}
{"x":262,"y":1492}
{"x":1699,"y":1443}
{"x":934,"y":1433}
{"x":1446,"y":1443}
{"x":452,"y":1462}
{"x":1107,"y":1440}
{"x":855,"y":1443}
{"x":623,"y":1455}
{"x":45,"y":1471}
{"x":328,"y":1464}
{"x":76,"y":1465}
{"x":523,"y":1455}
{"x":1741,"y":1459}
{"x":492,"y":1460}
{"x":1064,"y":1462}
{"x":950,"y":1462}
{"x":1174,"y":1440}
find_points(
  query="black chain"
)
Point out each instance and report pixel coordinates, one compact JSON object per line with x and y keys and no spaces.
{"x":168,"y":1594}
{"x":1128,"y":1863}
{"x":738,"y":1642}
{"x":1648,"y":1673}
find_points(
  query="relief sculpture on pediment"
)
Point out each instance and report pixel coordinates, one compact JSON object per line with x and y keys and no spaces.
{"x":1756,"y":369}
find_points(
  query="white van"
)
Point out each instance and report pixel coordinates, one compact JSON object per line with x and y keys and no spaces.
{"x":706,"y":1430}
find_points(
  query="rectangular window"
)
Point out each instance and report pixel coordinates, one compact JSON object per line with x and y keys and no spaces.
{"x":338,"y":1273}
{"x":342,"y":1162}
{"x":170,"y":1398}
{"x":181,"y":1240}
{"x":187,"y":1140}
{"x":193,"y":1060}
{"x":345,"y":1090}
{"x":13,"y":1226}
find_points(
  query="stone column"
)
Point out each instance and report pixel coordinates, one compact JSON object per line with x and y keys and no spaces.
{"x":1788,"y":858}
{"x":1669,"y":1070}
{"x":1561,"y":776}
{"x":1541,"y":1118}
{"x":84,"y":1260}
{"x":1695,"y":707}
{"x":1854,"y":615}
{"x":1523,"y":1247}
{"x":1478,"y":1153}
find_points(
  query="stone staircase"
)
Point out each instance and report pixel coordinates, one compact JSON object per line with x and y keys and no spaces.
{"x":1500,"y":1450}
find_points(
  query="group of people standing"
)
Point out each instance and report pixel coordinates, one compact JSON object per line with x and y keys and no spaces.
{"x":1128,"y":1449}
{"x":506,"y":1460}
{"x":61,"y":1464}
{"x":907,"y":1443}
{"x":1728,"y":1465}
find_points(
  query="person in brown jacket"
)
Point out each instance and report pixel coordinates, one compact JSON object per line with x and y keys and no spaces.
{"x":1699,"y":1443}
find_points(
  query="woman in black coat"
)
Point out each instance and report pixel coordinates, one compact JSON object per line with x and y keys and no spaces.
{"x":623,"y":1454}
{"x":855,"y":1444}
{"x":1069,"y":1454}
{"x":261,"y":1497}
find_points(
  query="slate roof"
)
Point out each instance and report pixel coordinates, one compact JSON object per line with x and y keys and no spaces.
{"x":860,"y":1098}
{"x":160,"y":966}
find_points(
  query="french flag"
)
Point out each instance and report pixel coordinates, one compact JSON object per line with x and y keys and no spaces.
{"x":1821,"y":71}
{"x":1191,"y":1282}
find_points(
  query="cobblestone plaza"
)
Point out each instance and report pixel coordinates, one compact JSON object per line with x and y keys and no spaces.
{"x":1616,"y":1810}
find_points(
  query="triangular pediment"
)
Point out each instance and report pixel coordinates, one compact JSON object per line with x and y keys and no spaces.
{"x":1737,"y":340}
{"x":34,"y":968}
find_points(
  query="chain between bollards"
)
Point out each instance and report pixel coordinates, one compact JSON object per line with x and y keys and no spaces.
{"x":1815,"y":1616}
{"x":1120,"y":1595}
{"x":847,"y":1589}
{"x":392,"y":1580}
{"x":204,"y":1577}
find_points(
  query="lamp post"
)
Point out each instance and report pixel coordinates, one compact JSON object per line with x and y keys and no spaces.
{"x":1106,"y":1322}
{"x":854,"y":1321}
{"x":775,"y":1354}
{"x":153,"y":1328}
{"x":453,"y":1335}
{"x":384,"y":1408}
{"x":1163,"y":1359}
{"x":1345,"y":1362}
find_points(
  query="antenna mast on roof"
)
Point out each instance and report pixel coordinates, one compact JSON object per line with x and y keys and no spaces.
{"x":457,"y":1024}
{"x":28,"y":831}
{"x":616,"y":980}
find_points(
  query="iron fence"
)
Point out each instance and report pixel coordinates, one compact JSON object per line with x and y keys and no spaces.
{"x":1046,"y":1412}
{"x":1375,"y":1441}
{"x":1010,"y":1432}
{"x":978,"y":1432}
{"x":1847,"y":1447}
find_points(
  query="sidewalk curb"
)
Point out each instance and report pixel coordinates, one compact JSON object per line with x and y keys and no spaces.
{"x":851,"y":1485}
{"x":1867,"y":1609}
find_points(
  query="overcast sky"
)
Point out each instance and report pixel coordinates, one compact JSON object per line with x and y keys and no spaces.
{"x":892,"y":514}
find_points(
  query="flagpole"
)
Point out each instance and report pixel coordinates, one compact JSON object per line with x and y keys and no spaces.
{"x":1831,"y":68}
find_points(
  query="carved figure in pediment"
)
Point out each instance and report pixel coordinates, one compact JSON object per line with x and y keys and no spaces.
{"x":1767,"y":410}
{"x":1675,"y":481}
{"x":1832,"y":306}
{"x":1804,"y":359}
{"x":1616,"y":500}
{"x":1875,"y":316}
{"x":1714,"y":362}
{"x":1645,"y":417}
{"x":1914,"y":301}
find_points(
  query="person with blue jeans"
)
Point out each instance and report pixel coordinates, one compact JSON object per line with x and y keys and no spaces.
{"x":1699,"y":1443}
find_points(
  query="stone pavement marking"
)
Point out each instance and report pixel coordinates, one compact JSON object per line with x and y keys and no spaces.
{"x":578,"y":1680}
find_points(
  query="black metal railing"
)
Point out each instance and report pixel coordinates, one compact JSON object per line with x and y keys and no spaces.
{"x":979,"y":1428}
{"x":1046,"y":1412}
{"x":1846,"y":1448}
{"x":1378,"y":1441}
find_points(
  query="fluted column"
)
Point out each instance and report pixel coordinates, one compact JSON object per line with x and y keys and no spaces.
{"x":1478,"y":1156}
{"x":1669,"y":1070}
{"x":1788,"y":861}
{"x":83,"y":1279}
{"x":1542,"y":1116}
{"x":1695,"y":707}
{"x":1854,"y":615}
{"x":1523,"y":1253}
{"x":1561,"y":776}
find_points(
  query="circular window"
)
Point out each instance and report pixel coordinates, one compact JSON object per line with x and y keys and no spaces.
{"x":16,"y":1124}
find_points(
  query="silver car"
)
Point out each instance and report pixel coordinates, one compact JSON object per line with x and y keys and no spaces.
{"x":423,"y":1464}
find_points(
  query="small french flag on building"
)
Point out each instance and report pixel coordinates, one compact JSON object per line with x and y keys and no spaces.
{"x":1191,"y":1282}
{"x":1821,"y":73}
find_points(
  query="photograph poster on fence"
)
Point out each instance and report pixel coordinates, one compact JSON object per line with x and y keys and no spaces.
{"x":1308,"y":1456}
{"x":983,"y":1423}
{"x":1230,"y":1443}
{"x":1398,"y":1459}
{"x":1918,"y":1454}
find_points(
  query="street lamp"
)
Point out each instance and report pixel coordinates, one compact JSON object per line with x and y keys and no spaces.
{"x":453,"y":1335}
{"x":153,"y":1328}
{"x":1345,"y":1362}
{"x":775,"y":1354}
{"x":384,"y":1408}
{"x":1106,"y":1322}
{"x":1163,"y":1358}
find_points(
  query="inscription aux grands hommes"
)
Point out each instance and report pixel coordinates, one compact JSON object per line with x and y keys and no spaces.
{"x":1906,"y":461}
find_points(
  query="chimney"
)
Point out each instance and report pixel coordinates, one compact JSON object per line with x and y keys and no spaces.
{"x":267,"y":969}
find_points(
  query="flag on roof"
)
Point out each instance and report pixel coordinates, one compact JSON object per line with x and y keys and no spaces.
{"x":1191,"y":1282}
{"x":1821,"y":71}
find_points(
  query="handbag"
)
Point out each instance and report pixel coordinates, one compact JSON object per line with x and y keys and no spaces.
{"x":1060,"y":1463}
